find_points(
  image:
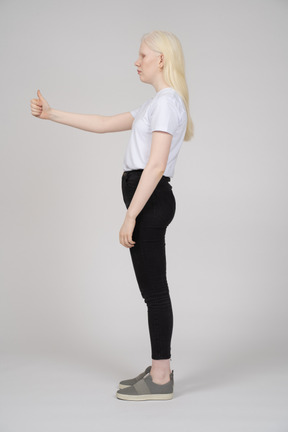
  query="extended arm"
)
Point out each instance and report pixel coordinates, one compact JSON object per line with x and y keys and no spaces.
{"x":151,"y":175}
{"x":93,"y":122}
{"x":89,"y":122}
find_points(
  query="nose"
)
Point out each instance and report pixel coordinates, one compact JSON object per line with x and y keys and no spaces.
{"x":137,"y":63}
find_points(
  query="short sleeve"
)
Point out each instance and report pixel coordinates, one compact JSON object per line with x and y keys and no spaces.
{"x":135,"y":111}
{"x":164,"y":116}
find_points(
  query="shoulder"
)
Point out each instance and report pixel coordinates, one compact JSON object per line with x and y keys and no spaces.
{"x":169,"y":97}
{"x":168,"y":103}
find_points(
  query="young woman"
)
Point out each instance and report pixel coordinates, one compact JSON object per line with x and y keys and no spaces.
{"x":159,"y":127}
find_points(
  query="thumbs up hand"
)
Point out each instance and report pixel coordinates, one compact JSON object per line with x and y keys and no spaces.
{"x":40,"y":107}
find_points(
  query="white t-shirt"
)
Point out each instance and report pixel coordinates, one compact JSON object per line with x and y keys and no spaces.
{"x":164,"y":112}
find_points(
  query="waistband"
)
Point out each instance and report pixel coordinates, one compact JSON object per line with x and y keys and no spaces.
{"x":139,"y":172}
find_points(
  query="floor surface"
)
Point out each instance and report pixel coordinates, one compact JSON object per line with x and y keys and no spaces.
{"x":52,"y":394}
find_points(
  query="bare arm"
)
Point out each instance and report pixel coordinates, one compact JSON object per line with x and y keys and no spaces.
{"x":89,"y":122}
{"x":150,"y":177}
{"x":93,"y":122}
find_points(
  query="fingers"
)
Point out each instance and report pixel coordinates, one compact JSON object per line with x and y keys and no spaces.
{"x":127,"y":241}
{"x":36,"y":102}
{"x":126,"y":232}
{"x":127,"y":244}
{"x":36,"y":107}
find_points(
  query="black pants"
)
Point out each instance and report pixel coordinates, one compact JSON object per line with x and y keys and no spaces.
{"x":149,"y":258}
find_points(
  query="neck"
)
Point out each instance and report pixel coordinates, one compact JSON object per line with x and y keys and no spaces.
{"x":160,"y":85}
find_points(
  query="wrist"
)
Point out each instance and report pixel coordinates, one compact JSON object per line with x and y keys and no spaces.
{"x":130,"y":214}
{"x":50,"y":114}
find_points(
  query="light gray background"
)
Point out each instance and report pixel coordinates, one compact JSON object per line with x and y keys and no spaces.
{"x":72,"y":320}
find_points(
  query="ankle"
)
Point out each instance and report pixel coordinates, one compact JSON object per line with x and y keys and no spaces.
{"x":161,"y":368}
{"x":160,"y":371}
{"x":160,"y":378}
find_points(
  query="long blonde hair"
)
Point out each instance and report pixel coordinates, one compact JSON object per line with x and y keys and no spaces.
{"x":168,"y":44}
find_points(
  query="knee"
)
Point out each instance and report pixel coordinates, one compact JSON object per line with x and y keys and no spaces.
{"x":159,"y":299}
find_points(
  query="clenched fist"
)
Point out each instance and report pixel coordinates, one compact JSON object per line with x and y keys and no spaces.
{"x":40,"y":107}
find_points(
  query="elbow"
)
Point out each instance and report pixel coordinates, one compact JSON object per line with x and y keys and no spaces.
{"x":159,"y":169}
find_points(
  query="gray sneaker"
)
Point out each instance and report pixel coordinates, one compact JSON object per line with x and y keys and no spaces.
{"x":129,"y":382}
{"x":146,"y":389}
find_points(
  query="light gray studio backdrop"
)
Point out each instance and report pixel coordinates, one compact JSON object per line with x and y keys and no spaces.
{"x":67,"y":285}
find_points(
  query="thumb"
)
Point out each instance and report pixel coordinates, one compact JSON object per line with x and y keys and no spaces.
{"x":39,"y":95}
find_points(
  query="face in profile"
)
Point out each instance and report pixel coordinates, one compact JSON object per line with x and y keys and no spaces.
{"x":148,"y":64}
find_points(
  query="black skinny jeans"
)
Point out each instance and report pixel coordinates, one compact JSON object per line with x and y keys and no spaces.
{"x":149,"y":258}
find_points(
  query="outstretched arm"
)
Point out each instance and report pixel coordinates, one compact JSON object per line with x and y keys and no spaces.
{"x":89,"y":122}
{"x":93,"y":122}
{"x":150,"y":177}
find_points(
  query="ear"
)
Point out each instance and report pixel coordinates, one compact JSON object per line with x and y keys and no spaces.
{"x":161,"y":61}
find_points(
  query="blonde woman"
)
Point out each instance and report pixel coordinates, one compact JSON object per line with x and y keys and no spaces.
{"x":159,"y":127}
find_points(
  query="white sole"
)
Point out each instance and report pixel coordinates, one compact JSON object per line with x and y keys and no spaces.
{"x":145,"y":397}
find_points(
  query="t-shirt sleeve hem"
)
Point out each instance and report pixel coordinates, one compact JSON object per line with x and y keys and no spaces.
{"x":162,"y":129}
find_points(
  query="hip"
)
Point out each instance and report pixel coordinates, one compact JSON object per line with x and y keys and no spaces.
{"x":161,"y":203}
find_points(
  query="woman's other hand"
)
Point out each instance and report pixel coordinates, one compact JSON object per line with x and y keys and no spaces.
{"x":40,"y":107}
{"x":126,"y":231}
